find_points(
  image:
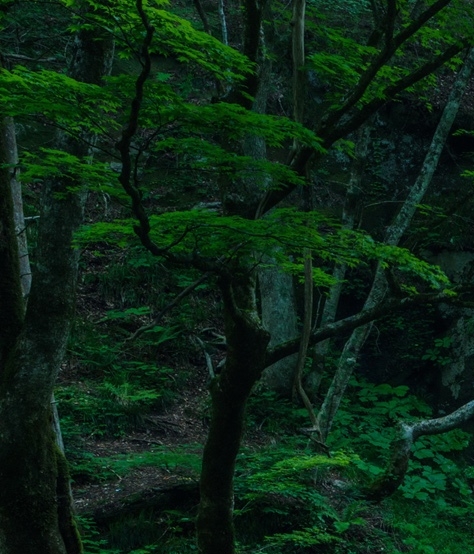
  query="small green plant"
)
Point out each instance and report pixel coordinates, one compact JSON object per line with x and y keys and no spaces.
{"x":440,"y":354}
{"x":431,"y":472}
{"x":268,"y":412}
{"x":90,"y":537}
{"x":106,"y":409}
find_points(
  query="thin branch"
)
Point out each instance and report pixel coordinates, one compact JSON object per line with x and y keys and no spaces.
{"x":28,"y":58}
{"x":123,"y":146}
{"x":401,"y":448}
{"x":220,"y":9}
{"x":209,"y":364}
{"x":337,"y":132}
{"x":304,"y":343}
{"x":331,"y":131}
{"x":350,"y":323}
{"x":188,"y":290}
{"x":203,"y":16}
{"x":392,"y":44}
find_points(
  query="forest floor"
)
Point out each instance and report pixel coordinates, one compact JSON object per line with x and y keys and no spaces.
{"x":171,"y":430}
{"x":179,"y":425}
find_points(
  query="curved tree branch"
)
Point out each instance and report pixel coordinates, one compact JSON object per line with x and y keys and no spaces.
{"x":401,"y":446}
{"x":366,"y":316}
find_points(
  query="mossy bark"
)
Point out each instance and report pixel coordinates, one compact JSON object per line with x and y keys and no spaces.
{"x":247,"y":342}
{"x":35,"y":508}
{"x":29,"y":470}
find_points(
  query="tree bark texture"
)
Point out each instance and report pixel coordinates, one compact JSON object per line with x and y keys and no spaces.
{"x":298,"y":53}
{"x":18,"y":215}
{"x":247,"y":342}
{"x":35,"y":511}
{"x":305,"y":337}
{"x":278,"y":307}
{"x":11,"y":297}
{"x":351,"y":350}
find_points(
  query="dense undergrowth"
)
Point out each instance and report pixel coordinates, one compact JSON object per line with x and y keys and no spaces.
{"x":290,"y":498}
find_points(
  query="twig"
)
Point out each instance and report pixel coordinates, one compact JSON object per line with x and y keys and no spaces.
{"x":170,"y":306}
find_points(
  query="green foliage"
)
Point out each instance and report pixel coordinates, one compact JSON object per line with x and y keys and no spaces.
{"x":432,"y":472}
{"x":280,"y":234}
{"x":106,"y":409}
{"x":373,"y":412}
{"x":50,"y":163}
{"x":351,"y":58}
{"x":305,"y":501}
{"x":280,"y":487}
{"x":76,"y":106}
{"x":163,"y":533}
{"x":183,"y":460}
{"x":125,"y":384}
{"x":432,"y":529}
{"x":343,"y":61}
{"x":90,"y":537}
{"x":173,"y":36}
{"x":121,"y":386}
{"x":440,"y":354}
{"x":267,"y":412}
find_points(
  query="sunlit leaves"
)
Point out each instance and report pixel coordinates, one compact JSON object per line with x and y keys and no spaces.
{"x":284,"y":233}
{"x":173,"y":37}
{"x":51,"y":163}
{"x":56,"y":97}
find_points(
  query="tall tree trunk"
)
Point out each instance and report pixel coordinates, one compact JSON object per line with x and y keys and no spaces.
{"x":222,"y":19}
{"x":35,"y":513}
{"x":229,"y":392}
{"x":351,"y":350}
{"x":11,"y":296}
{"x":18,"y":215}
{"x":298,"y":53}
{"x":279,"y":317}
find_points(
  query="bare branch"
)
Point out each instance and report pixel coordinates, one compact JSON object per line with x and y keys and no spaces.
{"x":366,"y":316}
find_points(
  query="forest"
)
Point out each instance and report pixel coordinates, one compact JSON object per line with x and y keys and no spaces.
{"x":236,"y":264}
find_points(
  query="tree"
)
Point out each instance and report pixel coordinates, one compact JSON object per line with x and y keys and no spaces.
{"x":401,"y":446}
{"x":35,"y":511}
{"x":237,"y":280}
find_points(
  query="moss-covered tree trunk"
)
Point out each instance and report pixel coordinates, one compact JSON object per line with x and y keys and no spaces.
{"x":35,"y":511}
{"x":247,"y":343}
